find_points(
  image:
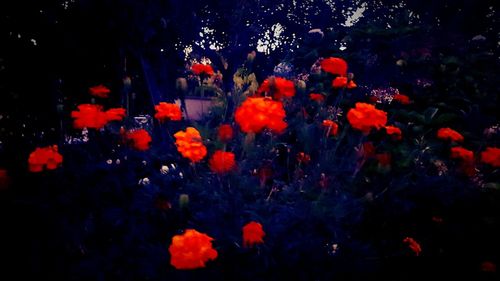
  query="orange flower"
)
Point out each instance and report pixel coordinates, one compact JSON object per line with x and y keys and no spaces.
{"x":365,"y":116}
{"x":449,"y":134}
{"x":225,"y":133}
{"x":199,"y":69}
{"x":336,"y":66}
{"x":461,"y":153}
{"x":393,"y":131}
{"x":191,"y":250}
{"x":255,"y":114}
{"x":277,"y":87}
{"x":343,"y":82}
{"x":303,"y":157}
{"x":93,"y":117}
{"x":44,"y":157}
{"x":168,"y":111}
{"x":413,"y":245}
{"x":190,"y":145}
{"x":140,"y":139}
{"x":491,"y":156}
{"x":402,"y":99}
{"x":100,"y":91}
{"x":221,"y":162}
{"x":253,"y":234}
{"x":331,"y":127}
{"x":317,"y":97}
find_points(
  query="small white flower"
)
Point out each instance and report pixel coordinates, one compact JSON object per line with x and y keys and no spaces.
{"x":144,"y":181}
{"x":164,"y":170}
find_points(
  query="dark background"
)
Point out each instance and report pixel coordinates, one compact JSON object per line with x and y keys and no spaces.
{"x":89,"y":42}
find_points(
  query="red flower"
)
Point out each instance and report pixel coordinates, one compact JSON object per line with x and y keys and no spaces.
{"x":139,"y":139}
{"x":437,"y":219}
{"x":100,"y":91}
{"x":190,"y":145}
{"x":256,"y":114}
{"x":343,"y":82}
{"x":384,"y":159}
{"x":393,"y":131}
{"x":44,"y":158}
{"x":199,"y":69}
{"x":488,"y":266}
{"x":491,"y":156}
{"x":317,"y":97}
{"x":221,"y":162}
{"x":331,"y":127}
{"x":168,"y":111}
{"x":402,"y":99}
{"x":277,"y":87}
{"x":463,"y":154}
{"x":368,"y":150}
{"x":91,"y":116}
{"x":225,"y":133}
{"x":253,"y":234}
{"x":336,"y":66}
{"x":365,"y":116}
{"x":4,"y":179}
{"x":303,"y":157}
{"x":115,"y":114}
{"x":264,"y":173}
{"x":449,"y":134}
{"x":191,"y":250}
{"x":413,"y":245}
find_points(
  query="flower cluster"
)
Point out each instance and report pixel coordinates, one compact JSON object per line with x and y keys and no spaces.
{"x":44,"y":158}
{"x":190,"y":145}
{"x":191,"y":250}
{"x":256,"y":114}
